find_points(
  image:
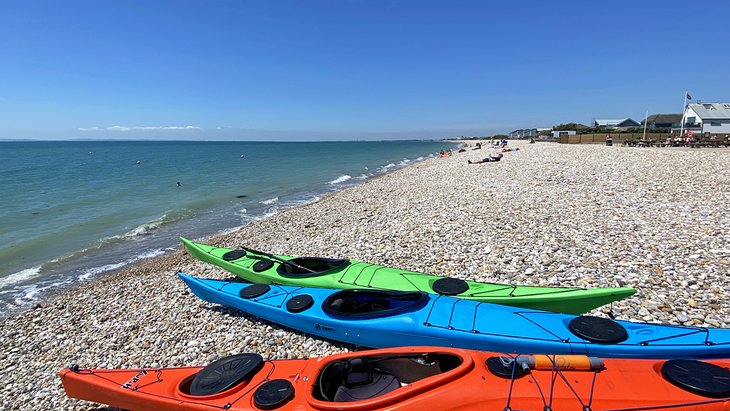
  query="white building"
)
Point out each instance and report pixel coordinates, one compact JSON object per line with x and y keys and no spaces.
{"x":558,"y":133}
{"x":527,"y":132}
{"x":523,"y":133}
{"x":707,"y":118}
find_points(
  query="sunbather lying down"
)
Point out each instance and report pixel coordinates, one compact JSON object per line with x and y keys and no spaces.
{"x":491,"y":158}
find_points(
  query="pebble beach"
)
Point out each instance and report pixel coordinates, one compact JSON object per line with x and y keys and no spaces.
{"x":656,"y":219}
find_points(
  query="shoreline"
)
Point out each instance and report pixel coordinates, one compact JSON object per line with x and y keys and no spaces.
{"x":583,"y":215}
{"x":33,"y":286}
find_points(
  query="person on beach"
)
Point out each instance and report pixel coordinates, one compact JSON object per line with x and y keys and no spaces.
{"x":609,"y":140}
{"x":506,"y":149}
{"x":478,"y":147}
{"x":490,"y":159}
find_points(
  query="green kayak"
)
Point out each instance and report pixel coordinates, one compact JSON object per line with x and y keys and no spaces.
{"x":260,"y":267}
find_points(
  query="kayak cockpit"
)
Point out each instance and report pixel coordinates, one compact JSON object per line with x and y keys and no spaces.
{"x":369,"y":377}
{"x":310,"y":266}
{"x":368,"y":304}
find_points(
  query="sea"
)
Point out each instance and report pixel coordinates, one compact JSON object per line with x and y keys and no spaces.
{"x":73,"y":210}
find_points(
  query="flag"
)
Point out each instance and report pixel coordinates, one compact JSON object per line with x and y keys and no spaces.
{"x":688,"y":97}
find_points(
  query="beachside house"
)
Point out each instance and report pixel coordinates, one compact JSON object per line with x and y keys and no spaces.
{"x":615,"y":124}
{"x":668,"y":121}
{"x":558,"y":133}
{"x":707,"y":118}
{"x":524,"y":133}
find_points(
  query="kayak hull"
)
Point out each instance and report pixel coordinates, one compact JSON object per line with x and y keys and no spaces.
{"x":359,"y":275}
{"x":433,"y":377}
{"x":452,"y":322}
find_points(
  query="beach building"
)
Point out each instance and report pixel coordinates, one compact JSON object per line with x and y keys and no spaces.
{"x":616,"y":124}
{"x":668,"y":121}
{"x":523,"y":133}
{"x":558,"y":133}
{"x":527,"y":132}
{"x":707,"y":118}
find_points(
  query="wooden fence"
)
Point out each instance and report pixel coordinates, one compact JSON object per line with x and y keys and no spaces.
{"x":618,"y":138}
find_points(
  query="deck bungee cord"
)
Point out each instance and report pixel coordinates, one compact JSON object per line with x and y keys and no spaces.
{"x":515,"y":371}
{"x":556,"y":371}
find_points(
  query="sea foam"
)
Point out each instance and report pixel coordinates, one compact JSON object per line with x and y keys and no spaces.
{"x":91,"y":272}
{"x":269,"y":201}
{"x":340,"y":179}
{"x":20,"y":276}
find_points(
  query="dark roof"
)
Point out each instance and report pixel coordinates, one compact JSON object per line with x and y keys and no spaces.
{"x":664,"y":119}
{"x":624,"y":122}
{"x":627,"y":123}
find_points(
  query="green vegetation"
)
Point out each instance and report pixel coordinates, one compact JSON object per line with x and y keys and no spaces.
{"x":570,"y":126}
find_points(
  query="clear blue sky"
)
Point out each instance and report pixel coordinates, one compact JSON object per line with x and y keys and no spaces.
{"x":349,"y":69}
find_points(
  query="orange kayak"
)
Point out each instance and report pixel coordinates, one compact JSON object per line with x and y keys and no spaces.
{"x":413,"y":378}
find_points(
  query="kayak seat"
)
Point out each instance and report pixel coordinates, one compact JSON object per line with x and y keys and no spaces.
{"x":411,"y":369}
{"x":317,"y":265}
{"x":354,"y":380}
{"x":355,"y":307}
{"x":375,"y":386}
{"x":368,"y":304}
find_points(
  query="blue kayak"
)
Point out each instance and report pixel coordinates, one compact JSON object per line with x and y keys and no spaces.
{"x":381,"y":318}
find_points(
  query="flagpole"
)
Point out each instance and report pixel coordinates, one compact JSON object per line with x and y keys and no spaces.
{"x":646,"y":117}
{"x":684,"y":106}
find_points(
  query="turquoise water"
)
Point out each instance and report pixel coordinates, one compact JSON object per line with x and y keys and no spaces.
{"x":71,"y":210}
